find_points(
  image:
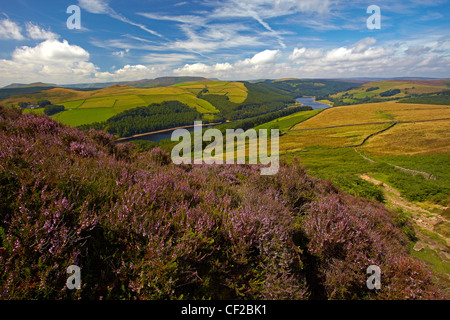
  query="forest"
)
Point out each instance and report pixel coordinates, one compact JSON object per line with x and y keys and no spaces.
{"x":165,"y":115}
{"x":261,"y":99}
{"x":442,"y":98}
{"x":312,"y":87}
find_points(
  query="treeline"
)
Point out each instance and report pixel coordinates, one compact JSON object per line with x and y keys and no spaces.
{"x":390,"y":93}
{"x":442,"y":98}
{"x":312,"y":87}
{"x":166,"y":115}
{"x":246,"y":124}
{"x":341,"y":101}
{"x":261,"y":99}
{"x":51,"y":109}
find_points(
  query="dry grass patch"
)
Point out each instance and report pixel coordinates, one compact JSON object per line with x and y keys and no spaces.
{"x":335,"y":137}
{"x":375,"y":112}
{"x":412,"y":138}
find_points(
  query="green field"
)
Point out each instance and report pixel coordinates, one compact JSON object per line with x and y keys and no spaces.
{"x":99,"y":109}
{"x":285,"y":123}
{"x":78,"y":117}
{"x":85,"y":107}
{"x":374,"y":90}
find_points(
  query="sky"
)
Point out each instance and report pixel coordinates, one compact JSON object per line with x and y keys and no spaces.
{"x":227,"y":39}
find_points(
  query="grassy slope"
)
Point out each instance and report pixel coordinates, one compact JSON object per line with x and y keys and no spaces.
{"x":421,"y":146}
{"x":85,"y":107}
{"x":407,"y":87}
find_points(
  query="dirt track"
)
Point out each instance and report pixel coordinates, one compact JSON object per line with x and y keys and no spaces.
{"x":423,"y":218}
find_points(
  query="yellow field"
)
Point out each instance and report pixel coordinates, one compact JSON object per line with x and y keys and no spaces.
{"x":330,"y":138}
{"x":124,"y":97}
{"x":236,"y":91}
{"x":412,"y":138}
{"x":375,"y":112}
{"x":406,"y":87}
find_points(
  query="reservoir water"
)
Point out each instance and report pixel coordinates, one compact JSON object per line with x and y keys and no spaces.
{"x":309,"y":101}
{"x":156,"y":137}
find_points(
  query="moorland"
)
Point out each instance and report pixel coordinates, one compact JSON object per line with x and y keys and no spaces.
{"x":365,"y":180}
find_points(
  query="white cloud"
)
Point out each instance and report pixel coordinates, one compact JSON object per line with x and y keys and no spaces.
{"x":131,"y":72}
{"x":10,"y":30}
{"x":121,"y":54}
{"x":95,"y":6}
{"x":202,"y":69}
{"x":49,"y":61}
{"x":102,"y":7}
{"x":362,"y":59}
{"x":360,"y":51}
{"x":261,"y":62}
{"x":51,"y":51}
{"x":305,"y":53}
{"x":37,"y":33}
{"x":167,"y":57}
{"x":266,"y":56}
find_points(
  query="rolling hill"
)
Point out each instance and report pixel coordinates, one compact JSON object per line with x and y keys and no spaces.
{"x":389,"y":89}
{"x":141,"y":227}
{"x":214,"y":100}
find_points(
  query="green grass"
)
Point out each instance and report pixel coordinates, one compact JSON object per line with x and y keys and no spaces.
{"x":285,"y":123}
{"x":192,"y":101}
{"x":443,"y":228}
{"x":432,"y":257}
{"x":80,"y":116}
{"x":92,"y":110}
{"x":72,"y":104}
{"x":103,"y":102}
{"x":186,"y":84}
{"x":341,"y":165}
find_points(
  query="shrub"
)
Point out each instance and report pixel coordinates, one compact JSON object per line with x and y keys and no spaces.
{"x":140,"y":227}
{"x":52,"y":109}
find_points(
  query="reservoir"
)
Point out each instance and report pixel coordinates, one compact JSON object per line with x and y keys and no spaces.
{"x":158,"y":136}
{"x":310,"y":101}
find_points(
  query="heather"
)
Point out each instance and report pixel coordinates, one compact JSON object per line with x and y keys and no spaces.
{"x":140,"y":227}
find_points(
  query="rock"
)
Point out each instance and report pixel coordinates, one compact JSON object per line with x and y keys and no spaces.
{"x":419,"y":246}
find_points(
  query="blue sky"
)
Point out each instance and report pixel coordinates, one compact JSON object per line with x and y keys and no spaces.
{"x":227,"y":39}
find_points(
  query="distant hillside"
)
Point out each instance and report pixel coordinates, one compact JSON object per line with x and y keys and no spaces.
{"x":318,"y":88}
{"x":378,"y":91}
{"x":30,"y":85}
{"x":213,"y":100}
{"x":145,"y":83}
{"x":21,"y":90}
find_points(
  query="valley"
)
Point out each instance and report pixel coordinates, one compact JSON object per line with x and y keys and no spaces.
{"x":393,"y":152}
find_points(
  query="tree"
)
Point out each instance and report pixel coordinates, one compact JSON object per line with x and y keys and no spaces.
{"x":51,"y":109}
{"x":44,"y":103}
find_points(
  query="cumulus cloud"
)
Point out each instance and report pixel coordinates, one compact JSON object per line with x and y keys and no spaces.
{"x":202,"y":69}
{"x":359,"y":52}
{"x":261,"y":61}
{"x":131,"y":72}
{"x":363,"y":58}
{"x":10,"y":30}
{"x":60,"y":62}
{"x":51,"y":51}
{"x":49,"y":61}
{"x":37,"y":33}
{"x":264,"y":57}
